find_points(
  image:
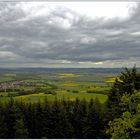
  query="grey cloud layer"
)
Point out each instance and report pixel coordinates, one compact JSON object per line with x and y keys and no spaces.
{"x":61,"y":37}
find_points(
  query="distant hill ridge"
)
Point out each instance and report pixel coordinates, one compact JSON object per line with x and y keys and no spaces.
{"x":62,"y":70}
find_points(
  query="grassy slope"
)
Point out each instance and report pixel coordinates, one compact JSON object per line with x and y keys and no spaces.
{"x":62,"y":95}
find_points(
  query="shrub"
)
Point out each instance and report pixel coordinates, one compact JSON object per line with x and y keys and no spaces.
{"x":50,"y":92}
{"x":75,"y":91}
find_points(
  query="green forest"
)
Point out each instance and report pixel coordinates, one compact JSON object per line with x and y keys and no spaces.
{"x":117,"y":117}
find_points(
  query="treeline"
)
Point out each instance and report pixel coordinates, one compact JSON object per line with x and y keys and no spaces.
{"x":20,"y":92}
{"x":60,"y":119}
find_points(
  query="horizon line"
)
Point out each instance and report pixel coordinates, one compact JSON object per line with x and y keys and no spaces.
{"x":65,"y":67}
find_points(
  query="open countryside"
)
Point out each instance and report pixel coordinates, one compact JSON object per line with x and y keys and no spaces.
{"x":32,"y":87}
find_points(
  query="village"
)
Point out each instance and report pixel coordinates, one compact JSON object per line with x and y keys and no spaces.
{"x":16,"y":85}
{"x":13,"y":85}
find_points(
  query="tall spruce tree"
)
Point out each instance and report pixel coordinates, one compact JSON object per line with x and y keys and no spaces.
{"x":127,"y":83}
{"x":29,"y":120}
{"x":46,"y":119}
{"x":20,"y":131}
{"x":38,"y":120}
{"x":59,"y":124}
{"x":3,"y":126}
{"x":94,"y":122}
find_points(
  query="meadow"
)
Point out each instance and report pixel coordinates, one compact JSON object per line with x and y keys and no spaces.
{"x":33,"y":87}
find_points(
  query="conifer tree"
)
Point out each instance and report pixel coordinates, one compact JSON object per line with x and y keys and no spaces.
{"x":93,"y":128}
{"x":46,"y":119}
{"x":3,"y":126}
{"x":79,"y":117}
{"x":29,"y":120}
{"x":20,"y":130}
{"x":59,"y":124}
{"x":38,"y":120}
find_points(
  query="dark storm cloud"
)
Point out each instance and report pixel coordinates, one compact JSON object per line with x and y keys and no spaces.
{"x":62,"y":37}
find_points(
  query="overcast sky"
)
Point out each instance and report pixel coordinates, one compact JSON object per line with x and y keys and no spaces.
{"x":69,"y":34}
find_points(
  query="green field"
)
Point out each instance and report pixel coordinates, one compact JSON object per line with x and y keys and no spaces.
{"x":60,"y":96}
{"x":63,"y":95}
{"x":68,"y":86}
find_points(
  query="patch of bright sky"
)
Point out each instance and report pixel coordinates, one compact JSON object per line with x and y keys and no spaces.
{"x":90,"y":9}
